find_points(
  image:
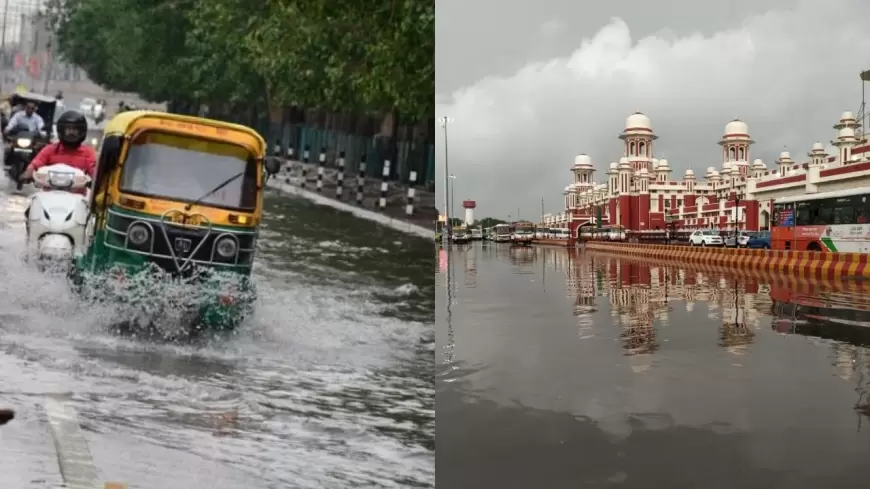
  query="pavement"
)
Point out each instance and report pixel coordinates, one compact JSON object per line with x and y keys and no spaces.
{"x":424,"y":214}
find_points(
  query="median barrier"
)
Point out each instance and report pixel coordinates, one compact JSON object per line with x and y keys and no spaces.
{"x":808,"y":264}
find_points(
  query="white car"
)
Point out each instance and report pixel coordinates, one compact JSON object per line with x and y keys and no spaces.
{"x":705,"y":237}
{"x":737,"y":241}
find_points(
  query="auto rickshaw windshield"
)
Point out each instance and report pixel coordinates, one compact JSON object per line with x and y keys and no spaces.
{"x":187,"y":169}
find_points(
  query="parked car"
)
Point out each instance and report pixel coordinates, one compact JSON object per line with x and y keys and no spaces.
{"x":761,"y":239}
{"x":705,"y":237}
{"x":738,"y":240}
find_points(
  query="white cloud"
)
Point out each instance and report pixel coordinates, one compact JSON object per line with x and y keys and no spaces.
{"x":788,"y":74}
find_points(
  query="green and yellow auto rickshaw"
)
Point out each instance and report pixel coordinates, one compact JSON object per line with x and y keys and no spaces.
{"x":179,"y":198}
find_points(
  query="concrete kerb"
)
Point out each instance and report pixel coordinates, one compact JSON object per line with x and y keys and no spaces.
{"x":290,"y":180}
{"x":398,"y":225}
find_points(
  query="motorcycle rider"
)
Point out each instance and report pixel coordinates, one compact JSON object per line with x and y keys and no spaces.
{"x":28,"y":117}
{"x":72,"y":129}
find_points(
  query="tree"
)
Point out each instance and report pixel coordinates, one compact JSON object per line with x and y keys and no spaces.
{"x":329,"y":54}
{"x":488,"y":222}
{"x":128,"y":45}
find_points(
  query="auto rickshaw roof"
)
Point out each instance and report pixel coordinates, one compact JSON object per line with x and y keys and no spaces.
{"x":35,"y":97}
{"x":121,"y":124}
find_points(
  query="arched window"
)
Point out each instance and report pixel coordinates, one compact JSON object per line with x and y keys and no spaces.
{"x":732,"y":154}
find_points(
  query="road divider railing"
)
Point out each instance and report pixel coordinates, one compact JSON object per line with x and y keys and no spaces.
{"x":810,"y":264}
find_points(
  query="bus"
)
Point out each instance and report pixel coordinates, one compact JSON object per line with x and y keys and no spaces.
{"x":502,"y":233}
{"x":523,"y":233}
{"x":559,"y":233}
{"x":604,"y":233}
{"x":837,"y":221}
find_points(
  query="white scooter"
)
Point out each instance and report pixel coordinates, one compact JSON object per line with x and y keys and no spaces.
{"x":58,"y":217}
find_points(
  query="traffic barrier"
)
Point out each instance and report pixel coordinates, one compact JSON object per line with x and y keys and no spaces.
{"x":803,"y":264}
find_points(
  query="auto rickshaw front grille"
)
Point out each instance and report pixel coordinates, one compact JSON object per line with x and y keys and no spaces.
{"x":166,"y":251}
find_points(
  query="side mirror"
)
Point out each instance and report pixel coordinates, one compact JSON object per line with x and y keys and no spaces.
{"x":272,"y":165}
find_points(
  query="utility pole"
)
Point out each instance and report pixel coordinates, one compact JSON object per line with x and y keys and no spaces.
{"x":445,"y":236}
{"x":3,"y":29}
{"x":49,"y":61}
{"x":542,"y":210}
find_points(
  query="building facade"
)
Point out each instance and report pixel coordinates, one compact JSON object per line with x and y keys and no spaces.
{"x":640,"y":193}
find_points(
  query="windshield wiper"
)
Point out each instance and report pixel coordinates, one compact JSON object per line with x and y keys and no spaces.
{"x":216,"y":189}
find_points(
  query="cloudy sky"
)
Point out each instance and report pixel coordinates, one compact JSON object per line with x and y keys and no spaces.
{"x":530,"y":84}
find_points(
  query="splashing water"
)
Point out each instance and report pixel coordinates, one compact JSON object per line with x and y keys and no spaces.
{"x":322,"y":386}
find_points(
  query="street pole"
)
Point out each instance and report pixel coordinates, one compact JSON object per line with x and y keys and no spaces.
{"x":445,"y":236}
{"x":49,"y":61}
{"x":3,"y":29}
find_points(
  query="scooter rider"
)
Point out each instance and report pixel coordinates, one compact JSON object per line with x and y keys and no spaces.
{"x":72,"y":129}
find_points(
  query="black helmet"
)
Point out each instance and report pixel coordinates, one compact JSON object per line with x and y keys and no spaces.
{"x":72,"y":128}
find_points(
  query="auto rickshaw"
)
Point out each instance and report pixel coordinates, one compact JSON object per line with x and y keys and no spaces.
{"x":22,"y":146}
{"x":180,"y":199}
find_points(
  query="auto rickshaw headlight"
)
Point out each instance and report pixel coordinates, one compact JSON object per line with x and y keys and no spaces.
{"x":138,"y":234}
{"x":227,"y":247}
{"x":23,"y":142}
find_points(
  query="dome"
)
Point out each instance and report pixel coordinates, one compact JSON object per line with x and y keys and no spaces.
{"x":818,"y":147}
{"x":637,"y":121}
{"x":624,"y":159}
{"x":726,"y":164}
{"x":690,"y":173}
{"x":613,"y":165}
{"x":847,"y":116}
{"x":715,"y":173}
{"x":568,"y":188}
{"x":655,"y":163}
{"x":710,"y":169}
{"x":663,"y":164}
{"x":784,"y":155}
{"x":726,"y":170}
{"x":736,"y":127}
{"x":583,"y":160}
{"x":758,"y":163}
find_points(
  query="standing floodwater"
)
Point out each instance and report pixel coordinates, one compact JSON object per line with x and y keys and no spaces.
{"x":329,"y":386}
{"x":562,"y":369}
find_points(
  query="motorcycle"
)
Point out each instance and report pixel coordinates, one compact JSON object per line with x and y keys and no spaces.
{"x":58,"y":217}
{"x":23,"y":146}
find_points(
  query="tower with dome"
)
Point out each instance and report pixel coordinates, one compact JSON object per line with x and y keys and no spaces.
{"x":638,"y":191}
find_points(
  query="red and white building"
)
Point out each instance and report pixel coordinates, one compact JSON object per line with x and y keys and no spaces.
{"x":640,"y":193}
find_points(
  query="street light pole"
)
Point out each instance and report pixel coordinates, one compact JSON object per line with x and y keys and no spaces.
{"x":445,"y":236}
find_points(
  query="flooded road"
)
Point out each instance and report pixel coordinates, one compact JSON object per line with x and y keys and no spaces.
{"x":561,"y":369}
{"x":329,"y":386}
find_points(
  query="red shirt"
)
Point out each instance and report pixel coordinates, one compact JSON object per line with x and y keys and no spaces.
{"x":84,"y":158}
